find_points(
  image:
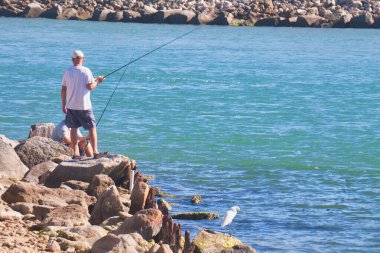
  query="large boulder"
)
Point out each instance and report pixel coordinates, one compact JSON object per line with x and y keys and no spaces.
{"x":36,"y":173}
{"x":208,"y":241}
{"x":203,"y":18}
{"x":39,"y":211}
{"x":10,"y":142}
{"x":7,"y":213}
{"x":309,"y":21}
{"x":11,"y":166}
{"x":108,"y":205}
{"x":130,"y":243}
{"x":139,"y":196}
{"x":147,"y":14}
{"x":40,"y":149}
{"x":147,"y":223}
{"x":343,"y":21}
{"x":223,"y":18}
{"x":99,"y":184}
{"x":41,"y":129}
{"x":41,"y":195}
{"x":101,"y":14}
{"x":67,"y":216}
{"x":69,"y":13}
{"x":52,"y":13}
{"x":88,"y":234}
{"x":131,"y":16}
{"x":364,"y":20}
{"x":272,"y":21}
{"x":115,"y":166}
{"x":33,"y":10}
{"x":173,"y":16}
{"x":9,"y":12}
{"x":115,"y":16}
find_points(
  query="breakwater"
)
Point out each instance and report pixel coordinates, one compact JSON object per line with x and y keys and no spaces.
{"x":290,"y":13}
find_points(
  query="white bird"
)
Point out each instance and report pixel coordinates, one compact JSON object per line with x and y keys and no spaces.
{"x":230,"y":215}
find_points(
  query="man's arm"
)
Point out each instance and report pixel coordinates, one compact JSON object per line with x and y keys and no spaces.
{"x":63,"y":98}
{"x":91,"y":86}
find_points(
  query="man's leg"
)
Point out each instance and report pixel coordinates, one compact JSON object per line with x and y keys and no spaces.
{"x":94,"y":139}
{"x":83,"y":144}
{"x":74,"y":141}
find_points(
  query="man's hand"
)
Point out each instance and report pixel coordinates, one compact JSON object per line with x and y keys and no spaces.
{"x":100,"y":79}
{"x":64,"y":109}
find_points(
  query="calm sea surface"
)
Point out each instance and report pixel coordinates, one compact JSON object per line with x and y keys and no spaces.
{"x":281,"y":122}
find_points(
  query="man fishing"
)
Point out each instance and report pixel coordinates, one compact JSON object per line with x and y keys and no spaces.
{"x":77,"y":83}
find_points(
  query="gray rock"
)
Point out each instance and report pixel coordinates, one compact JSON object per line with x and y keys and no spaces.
{"x":69,"y":13}
{"x":267,"y":22}
{"x":101,"y":14}
{"x":147,"y":223}
{"x":224,"y":18}
{"x":147,"y":14}
{"x":344,"y":21}
{"x":52,"y":13}
{"x":38,"y":149}
{"x":108,"y":205}
{"x":11,"y":166}
{"x":9,"y":12}
{"x":35,"y":174}
{"x":115,"y":166}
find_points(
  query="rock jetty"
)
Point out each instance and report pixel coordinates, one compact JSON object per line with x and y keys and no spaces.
{"x":50,"y":203}
{"x":288,"y":13}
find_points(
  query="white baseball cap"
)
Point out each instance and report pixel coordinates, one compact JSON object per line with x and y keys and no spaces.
{"x":77,"y":54}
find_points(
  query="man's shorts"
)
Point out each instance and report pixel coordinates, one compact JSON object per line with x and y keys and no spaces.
{"x":80,"y":118}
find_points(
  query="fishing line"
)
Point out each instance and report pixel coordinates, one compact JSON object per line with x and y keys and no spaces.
{"x":142,"y":56}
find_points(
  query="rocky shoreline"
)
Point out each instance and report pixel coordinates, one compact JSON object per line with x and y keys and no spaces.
{"x":286,"y":13}
{"x":51,"y":203}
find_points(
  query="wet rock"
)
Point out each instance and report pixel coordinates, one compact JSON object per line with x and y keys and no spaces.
{"x":211,"y":241}
{"x":224,"y":18}
{"x":196,"y":216}
{"x":38,"y":149}
{"x":267,"y":22}
{"x":11,"y":167}
{"x":196,"y":199}
{"x":38,"y":194}
{"x":101,"y":14}
{"x":147,"y":223}
{"x":99,"y":184}
{"x":173,"y":17}
{"x":163,"y":204}
{"x":52,"y":13}
{"x":108,"y":205}
{"x":147,"y":14}
{"x":36,"y":173}
{"x":139,"y":196}
{"x":115,"y":166}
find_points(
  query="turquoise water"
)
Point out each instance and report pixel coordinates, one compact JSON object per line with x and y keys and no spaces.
{"x":281,"y":122}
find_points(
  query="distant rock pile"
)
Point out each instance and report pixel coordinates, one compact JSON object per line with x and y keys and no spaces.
{"x":294,"y":13}
{"x":50,"y":203}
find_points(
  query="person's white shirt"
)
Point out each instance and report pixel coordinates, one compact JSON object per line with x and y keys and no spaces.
{"x":78,"y":96}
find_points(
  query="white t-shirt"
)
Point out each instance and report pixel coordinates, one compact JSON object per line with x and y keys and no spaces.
{"x":61,"y":131}
{"x":77,"y":95}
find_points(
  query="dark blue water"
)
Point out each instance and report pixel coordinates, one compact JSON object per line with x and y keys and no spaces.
{"x":281,"y":122}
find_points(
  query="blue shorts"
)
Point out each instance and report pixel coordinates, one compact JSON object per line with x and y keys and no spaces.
{"x":80,"y":118}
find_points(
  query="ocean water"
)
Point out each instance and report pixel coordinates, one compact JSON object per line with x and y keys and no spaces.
{"x":282,"y":122}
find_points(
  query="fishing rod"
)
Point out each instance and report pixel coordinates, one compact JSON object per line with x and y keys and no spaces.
{"x":142,"y":56}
